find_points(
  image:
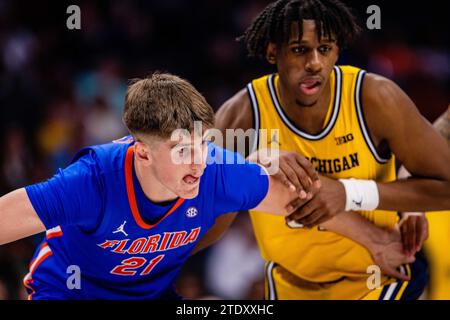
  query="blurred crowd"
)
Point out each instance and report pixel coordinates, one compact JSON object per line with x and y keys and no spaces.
{"x":61,"y":89}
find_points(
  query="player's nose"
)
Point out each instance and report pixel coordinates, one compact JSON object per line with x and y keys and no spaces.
{"x":198,"y":157}
{"x":313,"y":63}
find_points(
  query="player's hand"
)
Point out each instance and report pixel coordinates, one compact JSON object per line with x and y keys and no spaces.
{"x":294,"y":171}
{"x":298,"y":174}
{"x":414,"y":230}
{"x":328,"y":201}
{"x":387,"y":252}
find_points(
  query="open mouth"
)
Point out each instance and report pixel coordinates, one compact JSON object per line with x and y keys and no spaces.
{"x":190,"y":179}
{"x":310,"y":86}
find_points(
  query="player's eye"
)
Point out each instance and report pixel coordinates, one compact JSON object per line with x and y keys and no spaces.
{"x":324,"y":49}
{"x":299,"y":50}
{"x":182,"y":151}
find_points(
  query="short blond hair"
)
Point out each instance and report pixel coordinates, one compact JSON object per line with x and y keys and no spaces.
{"x":162,"y":103}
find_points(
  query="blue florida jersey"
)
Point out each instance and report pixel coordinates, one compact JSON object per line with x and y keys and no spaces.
{"x":106,"y":240}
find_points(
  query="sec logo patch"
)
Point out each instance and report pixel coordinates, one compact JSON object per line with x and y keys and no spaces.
{"x":191,"y":212}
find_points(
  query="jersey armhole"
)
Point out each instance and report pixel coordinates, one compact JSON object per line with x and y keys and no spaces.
{"x":255,"y":116}
{"x":362,"y":121}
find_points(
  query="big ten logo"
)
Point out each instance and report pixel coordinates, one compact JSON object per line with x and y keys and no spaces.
{"x":374,"y":279}
{"x":344,"y":139}
{"x":74,"y":279}
{"x":74,"y":20}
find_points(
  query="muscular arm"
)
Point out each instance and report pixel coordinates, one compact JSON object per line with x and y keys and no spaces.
{"x":17,"y":217}
{"x":393,"y":119}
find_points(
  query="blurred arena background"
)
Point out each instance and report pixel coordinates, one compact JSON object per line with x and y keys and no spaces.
{"x":62,"y":89}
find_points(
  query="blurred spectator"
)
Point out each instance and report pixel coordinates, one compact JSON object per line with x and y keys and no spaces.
{"x":18,"y":52}
{"x":235,"y":264}
{"x":190,"y":286}
{"x":102,"y":124}
{"x":103,"y":83}
{"x":60,"y":128}
{"x":4,"y":293}
{"x":16,"y":158}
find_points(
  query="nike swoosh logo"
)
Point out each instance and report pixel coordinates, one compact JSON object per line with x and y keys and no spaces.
{"x":358,"y":203}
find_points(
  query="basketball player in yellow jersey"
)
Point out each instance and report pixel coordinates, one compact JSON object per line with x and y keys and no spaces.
{"x":350,"y":124}
{"x":435,"y":247}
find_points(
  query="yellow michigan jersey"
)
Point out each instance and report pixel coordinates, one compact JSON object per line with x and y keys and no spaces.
{"x":438,"y":255}
{"x":325,"y":265}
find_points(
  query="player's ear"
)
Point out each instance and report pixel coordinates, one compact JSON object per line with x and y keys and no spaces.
{"x":142,"y":153}
{"x":271,"y":53}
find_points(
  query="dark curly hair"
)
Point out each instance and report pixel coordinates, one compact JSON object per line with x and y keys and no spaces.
{"x":333,"y":19}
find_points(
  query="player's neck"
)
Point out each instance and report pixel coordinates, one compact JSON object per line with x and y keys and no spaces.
{"x":152,"y":188}
{"x":308,"y":118}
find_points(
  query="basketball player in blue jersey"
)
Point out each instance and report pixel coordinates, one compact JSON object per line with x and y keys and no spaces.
{"x":352,"y":125}
{"x":125,"y":216}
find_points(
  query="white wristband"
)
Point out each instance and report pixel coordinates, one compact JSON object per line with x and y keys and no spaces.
{"x":360,"y":194}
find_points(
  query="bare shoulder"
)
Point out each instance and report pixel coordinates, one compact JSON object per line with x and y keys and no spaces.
{"x":385,"y":104}
{"x":393,"y":117}
{"x":235,"y":113}
{"x":381,"y":93}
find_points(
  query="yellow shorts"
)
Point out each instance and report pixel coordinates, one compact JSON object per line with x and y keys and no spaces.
{"x":281,"y":285}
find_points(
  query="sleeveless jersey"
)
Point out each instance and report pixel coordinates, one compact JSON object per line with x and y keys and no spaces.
{"x":342,"y":149}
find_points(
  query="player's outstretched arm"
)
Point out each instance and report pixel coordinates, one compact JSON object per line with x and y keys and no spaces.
{"x":18,"y":219}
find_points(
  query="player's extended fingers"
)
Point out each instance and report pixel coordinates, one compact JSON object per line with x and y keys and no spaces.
{"x":407,"y":234}
{"x":303,"y":211}
{"x":409,"y":259}
{"x":307,"y":165}
{"x":295,"y":204}
{"x":315,"y":188}
{"x":403,"y":232}
{"x":281,"y":176}
{"x":426,"y":227}
{"x":395,"y":273}
{"x":316,"y":217}
{"x":291,"y":176}
{"x":414,"y":234}
{"x":422,"y":231}
{"x":302,"y":175}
